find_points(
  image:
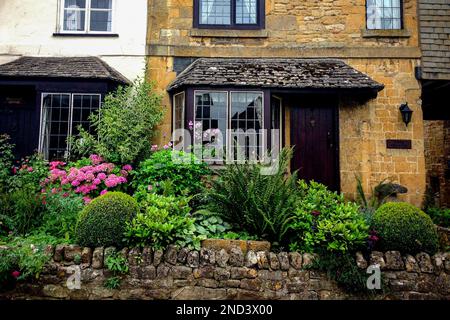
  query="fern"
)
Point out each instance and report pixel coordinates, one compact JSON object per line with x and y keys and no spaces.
{"x":262,"y":205}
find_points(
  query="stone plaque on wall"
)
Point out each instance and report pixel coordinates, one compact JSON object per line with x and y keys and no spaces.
{"x":398,"y":144}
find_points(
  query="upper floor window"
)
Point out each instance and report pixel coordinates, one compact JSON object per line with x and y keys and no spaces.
{"x":384,"y":14}
{"x":232,"y":14}
{"x":87,"y":16}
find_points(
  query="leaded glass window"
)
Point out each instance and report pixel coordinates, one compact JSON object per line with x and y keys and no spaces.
{"x":384,"y":14}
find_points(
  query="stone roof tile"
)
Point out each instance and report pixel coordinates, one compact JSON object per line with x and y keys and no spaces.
{"x":274,"y":73}
{"x":62,"y":67}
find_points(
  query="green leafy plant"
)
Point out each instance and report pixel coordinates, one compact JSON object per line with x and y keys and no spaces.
{"x":24,"y":258}
{"x":170,"y":173}
{"x":6,"y":161}
{"x":21,"y":210}
{"x":60,"y":215}
{"x":163,"y":220}
{"x":405,"y":228}
{"x":261,"y":205}
{"x":124,"y":127}
{"x":118,"y":265}
{"x":324,"y":221}
{"x":29,"y":174}
{"x":440,"y":216}
{"x":210,"y":225}
{"x":102,"y":222}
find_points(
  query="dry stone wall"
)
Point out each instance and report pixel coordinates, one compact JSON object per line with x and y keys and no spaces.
{"x":226,"y":274}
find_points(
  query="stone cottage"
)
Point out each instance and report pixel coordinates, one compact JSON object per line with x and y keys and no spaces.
{"x":336,"y":77}
{"x":58,"y":60}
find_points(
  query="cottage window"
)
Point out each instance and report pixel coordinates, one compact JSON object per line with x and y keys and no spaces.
{"x":232,"y":14}
{"x":61,"y":114}
{"x":384,"y":14}
{"x":87,"y":16}
{"x":178,"y":111}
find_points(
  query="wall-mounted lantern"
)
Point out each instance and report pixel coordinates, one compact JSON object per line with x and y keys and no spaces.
{"x":406,"y":113}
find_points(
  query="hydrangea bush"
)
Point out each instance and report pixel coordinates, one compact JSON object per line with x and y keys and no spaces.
{"x":88,"y":178}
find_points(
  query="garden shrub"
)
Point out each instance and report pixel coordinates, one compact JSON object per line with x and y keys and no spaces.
{"x":440,"y":216}
{"x":102,"y":222}
{"x":164,"y":174}
{"x":261,"y":205}
{"x":162,"y":220}
{"x":89,"y":177}
{"x":325,"y":222}
{"x":123,"y":132}
{"x":28,"y":174}
{"x":21,"y":210}
{"x":405,"y":228}
{"x":24,"y":258}
{"x":60,"y":215}
{"x":6,"y":161}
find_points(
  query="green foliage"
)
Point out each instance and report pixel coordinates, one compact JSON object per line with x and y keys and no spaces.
{"x":210,"y":225}
{"x":325,"y":222}
{"x":163,"y":220}
{"x":30,"y":173}
{"x":125,"y":125}
{"x":60,"y":215}
{"x":170,"y":173}
{"x":405,"y":228}
{"x":6,"y":161}
{"x":440,"y":216}
{"x":25,"y":256}
{"x":102,"y":222}
{"x":112,"y":283}
{"x":118,"y":264}
{"x":21,"y":210}
{"x":262,"y":205}
{"x":342,"y":269}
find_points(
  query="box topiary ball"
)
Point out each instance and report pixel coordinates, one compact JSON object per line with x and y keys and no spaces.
{"x":102,"y":222}
{"x":403,"y":227}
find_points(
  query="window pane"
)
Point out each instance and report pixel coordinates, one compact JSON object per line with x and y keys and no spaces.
{"x":80,"y":4}
{"x":74,"y":20}
{"x":54,"y":125}
{"x":383,"y":14}
{"x":246,"y":113}
{"x":101,"y":4}
{"x":101,"y":20}
{"x":83,"y":106}
{"x":215,"y":12}
{"x":213,"y":128}
{"x":246,"y":11}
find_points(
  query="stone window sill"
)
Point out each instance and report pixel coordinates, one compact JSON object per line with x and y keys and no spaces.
{"x":402,"y":33}
{"x":212,"y":33}
{"x":86,"y":35}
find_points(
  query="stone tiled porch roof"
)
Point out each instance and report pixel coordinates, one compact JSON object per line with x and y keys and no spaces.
{"x":62,"y":67}
{"x":288,"y":73}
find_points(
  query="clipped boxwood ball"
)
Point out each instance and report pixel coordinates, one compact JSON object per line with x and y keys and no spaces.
{"x":403,"y":227}
{"x":102,"y":222}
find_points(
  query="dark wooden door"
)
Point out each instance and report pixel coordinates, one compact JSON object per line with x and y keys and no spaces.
{"x":19,"y":118}
{"x":314,"y":135}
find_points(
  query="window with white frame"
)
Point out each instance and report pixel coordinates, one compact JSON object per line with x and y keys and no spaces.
{"x":233,"y":120}
{"x":61,"y":114}
{"x":87,"y":16}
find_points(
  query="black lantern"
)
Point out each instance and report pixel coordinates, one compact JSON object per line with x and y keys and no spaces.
{"x":406,"y":113}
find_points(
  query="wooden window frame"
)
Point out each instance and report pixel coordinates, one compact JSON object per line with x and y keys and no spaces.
{"x":260,"y":16}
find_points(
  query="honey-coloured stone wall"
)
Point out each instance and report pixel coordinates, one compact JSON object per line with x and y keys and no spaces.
{"x":312,"y":29}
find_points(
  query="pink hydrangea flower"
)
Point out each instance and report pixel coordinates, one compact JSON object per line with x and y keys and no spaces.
{"x":30,"y":169}
{"x":95,"y":159}
{"x":97,"y":181}
{"x":75,"y":183}
{"x":101,"y":176}
{"x":154,"y":147}
{"x":127,"y":167}
{"x":103,"y":192}
{"x":87,"y":200}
